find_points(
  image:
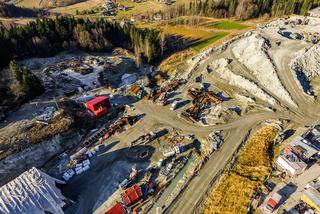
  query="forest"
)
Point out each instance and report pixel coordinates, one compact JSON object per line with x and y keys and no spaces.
{"x":46,"y":37}
{"x":240,"y":9}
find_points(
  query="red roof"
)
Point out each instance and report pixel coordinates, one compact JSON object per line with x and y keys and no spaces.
{"x":98,"y":105}
{"x":116,"y":209}
{"x":131,"y":195}
{"x":96,"y":100}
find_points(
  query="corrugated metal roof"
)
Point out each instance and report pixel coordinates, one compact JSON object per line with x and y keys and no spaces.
{"x":96,"y":100}
{"x":313,"y":195}
{"x":32,"y":192}
{"x":299,"y":146}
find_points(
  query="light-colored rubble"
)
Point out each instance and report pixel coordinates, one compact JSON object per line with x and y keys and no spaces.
{"x":308,"y":62}
{"x":219,"y":66}
{"x":252,"y":52}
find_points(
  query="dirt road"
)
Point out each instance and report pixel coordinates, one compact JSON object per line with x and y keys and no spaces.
{"x":305,"y":114}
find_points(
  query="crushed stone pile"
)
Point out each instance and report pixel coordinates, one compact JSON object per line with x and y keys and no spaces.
{"x":308,"y":62}
{"x":252,"y":51}
{"x":219,"y":66}
{"x":306,"y":67}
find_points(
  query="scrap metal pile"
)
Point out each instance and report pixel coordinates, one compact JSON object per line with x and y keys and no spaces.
{"x":201,"y":100}
{"x":161,"y":94}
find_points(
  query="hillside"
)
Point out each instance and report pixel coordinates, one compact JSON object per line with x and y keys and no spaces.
{"x":11,"y":11}
{"x":58,"y":3}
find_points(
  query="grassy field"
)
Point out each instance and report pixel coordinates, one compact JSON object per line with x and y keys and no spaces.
{"x":28,"y":3}
{"x":138,"y":8}
{"x":204,"y":43}
{"x":190,"y":32}
{"x":71,"y":9}
{"x":227,"y":25}
{"x":235,"y":189}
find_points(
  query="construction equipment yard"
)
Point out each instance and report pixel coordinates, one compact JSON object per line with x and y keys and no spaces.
{"x":134,"y":144}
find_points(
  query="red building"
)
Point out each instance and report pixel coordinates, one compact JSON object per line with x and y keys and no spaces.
{"x":131,"y":195}
{"x":99,"y":105}
{"x":116,"y":209}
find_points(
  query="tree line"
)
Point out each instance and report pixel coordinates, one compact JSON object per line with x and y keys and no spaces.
{"x":47,"y":37}
{"x":240,"y":9}
{"x":28,"y":83}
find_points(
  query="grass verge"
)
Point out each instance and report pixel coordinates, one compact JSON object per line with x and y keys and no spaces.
{"x":227,"y":25}
{"x":236,"y":187}
{"x":204,"y":43}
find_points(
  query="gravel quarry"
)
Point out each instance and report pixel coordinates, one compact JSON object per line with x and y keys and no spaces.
{"x":252,"y":51}
{"x":306,"y":67}
{"x":261,"y":76}
{"x":261,"y":72}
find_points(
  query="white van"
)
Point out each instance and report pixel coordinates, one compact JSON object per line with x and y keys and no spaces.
{"x":174,"y":105}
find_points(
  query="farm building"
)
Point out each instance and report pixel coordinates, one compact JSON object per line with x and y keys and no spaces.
{"x":32,"y":192}
{"x":98,"y":106}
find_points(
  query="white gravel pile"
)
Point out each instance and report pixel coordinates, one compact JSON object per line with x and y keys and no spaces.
{"x":252,"y":52}
{"x":308,"y":62}
{"x":219,"y":66}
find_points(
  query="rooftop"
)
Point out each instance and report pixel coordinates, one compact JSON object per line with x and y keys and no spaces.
{"x":301,"y":149}
{"x":292,"y":159}
{"x":31,"y":192}
{"x":96,"y":100}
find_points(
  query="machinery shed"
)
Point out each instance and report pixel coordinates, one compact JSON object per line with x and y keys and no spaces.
{"x":98,"y":105}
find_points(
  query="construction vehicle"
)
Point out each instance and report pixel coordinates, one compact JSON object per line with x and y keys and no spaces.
{"x":163,"y":100}
{"x":134,"y":89}
{"x":174,"y":105}
{"x":214,"y":98}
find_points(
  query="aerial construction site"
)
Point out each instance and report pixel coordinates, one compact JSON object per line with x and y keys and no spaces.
{"x":110,"y":137}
